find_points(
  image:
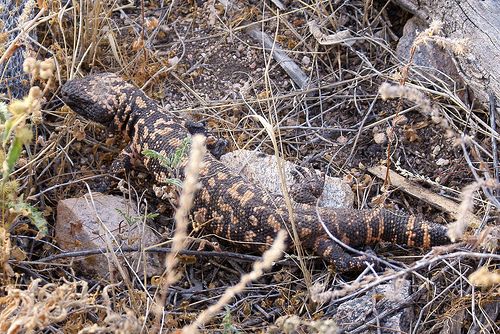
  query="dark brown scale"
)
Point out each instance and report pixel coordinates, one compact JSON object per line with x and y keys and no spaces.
{"x":227,"y":205}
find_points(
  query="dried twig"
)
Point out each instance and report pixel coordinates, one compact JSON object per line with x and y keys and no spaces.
{"x":268,"y":259}
{"x":291,"y":68}
{"x":164,"y":250}
{"x":423,"y":194}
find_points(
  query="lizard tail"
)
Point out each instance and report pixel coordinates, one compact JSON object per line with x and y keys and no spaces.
{"x":367,"y":227}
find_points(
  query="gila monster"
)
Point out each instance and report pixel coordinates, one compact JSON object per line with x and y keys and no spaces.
{"x":226,"y":204}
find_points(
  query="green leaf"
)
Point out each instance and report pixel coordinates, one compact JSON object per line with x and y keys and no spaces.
{"x":228,"y":323}
{"x":174,"y":182}
{"x":180,"y":153}
{"x":33,"y":215}
{"x":9,"y":124}
{"x":128,"y":218}
{"x":39,"y":221}
{"x":155,"y":155}
{"x":152,"y":215}
{"x":173,"y":161}
{"x":132,"y":220}
{"x":14,"y":153}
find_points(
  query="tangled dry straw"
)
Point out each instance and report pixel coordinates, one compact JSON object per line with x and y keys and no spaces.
{"x":38,"y":305}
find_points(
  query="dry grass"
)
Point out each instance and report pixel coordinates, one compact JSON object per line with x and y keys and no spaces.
{"x":189,"y":188}
{"x":199,"y":62}
{"x":268,"y":259}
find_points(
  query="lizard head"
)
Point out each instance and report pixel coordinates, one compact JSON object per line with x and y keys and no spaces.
{"x":100,"y":97}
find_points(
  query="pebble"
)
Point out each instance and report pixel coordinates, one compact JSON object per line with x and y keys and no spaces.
{"x":380,"y":138}
{"x":436,"y":150}
{"x":306,"y":60}
{"x":442,"y":162}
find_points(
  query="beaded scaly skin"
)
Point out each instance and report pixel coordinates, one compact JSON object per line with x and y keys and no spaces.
{"x":226,"y":204}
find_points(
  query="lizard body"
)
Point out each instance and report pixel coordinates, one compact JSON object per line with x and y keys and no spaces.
{"x":226,"y":204}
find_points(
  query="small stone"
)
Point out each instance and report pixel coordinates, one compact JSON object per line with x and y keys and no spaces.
{"x":262,"y":170}
{"x":354,"y":312}
{"x":436,"y":119}
{"x":436,"y":150}
{"x":442,"y":162}
{"x":173,"y":61}
{"x":342,"y":140}
{"x":380,"y":138}
{"x":433,"y":59}
{"x":306,"y":60}
{"x":399,"y":120}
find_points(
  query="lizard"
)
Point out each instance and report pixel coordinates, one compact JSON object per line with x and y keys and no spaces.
{"x":227,"y":205}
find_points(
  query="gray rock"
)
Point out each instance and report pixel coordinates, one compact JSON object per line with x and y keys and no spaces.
{"x":357,"y":312}
{"x":429,"y":55}
{"x":86,"y":222}
{"x":262,"y":170}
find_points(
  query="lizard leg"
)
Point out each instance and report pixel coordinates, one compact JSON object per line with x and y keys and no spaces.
{"x":124,"y":161}
{"x":336,"y":255}
{"x":121,"y":164}
{"x":215,"y":145}
{"x":309,"y":187}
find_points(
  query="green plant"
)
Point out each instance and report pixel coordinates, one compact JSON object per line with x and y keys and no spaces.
{"x":15,"y":133}
{"x":132,"y":220}
{"x":173,"y":162}
{"x":228,"y":323}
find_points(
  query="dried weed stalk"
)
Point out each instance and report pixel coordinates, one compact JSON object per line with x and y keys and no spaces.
{"x":190,"y":185}
{"x":5,"y":252}
{"x":268,"y":258}
{"x":319,"y":295}
{"x":388,"y":91}
{"x":485,"y":278}
{"x":26,"y":13}
{"x":458,"y":46}
{"x":38,"y":306}
{"x":115,"y":322}
{"x":293,"y":324}
{"x":16,"y":121}
{"x":456,"y":229}
{"x":25,"y":25}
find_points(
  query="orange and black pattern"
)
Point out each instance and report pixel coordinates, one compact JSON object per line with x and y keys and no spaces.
{"x":227,"y":205}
